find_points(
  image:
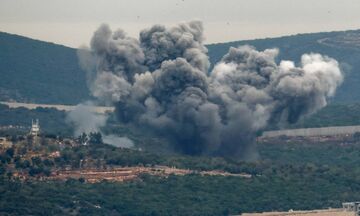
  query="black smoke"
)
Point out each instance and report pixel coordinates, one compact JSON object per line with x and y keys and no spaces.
{"x":161,"y":82}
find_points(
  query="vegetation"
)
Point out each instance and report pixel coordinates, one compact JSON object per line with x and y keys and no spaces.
{"x":52,"y":121}
{"x":41,"y":72}
{"x":275,"y":188}
{"x":186,"y":195}
{"x":286,"y":176}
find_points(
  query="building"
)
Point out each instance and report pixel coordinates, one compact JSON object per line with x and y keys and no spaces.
{"x":352,"y":207}
{"x":35,"y":128}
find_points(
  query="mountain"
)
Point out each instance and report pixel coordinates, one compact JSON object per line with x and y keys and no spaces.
{"x":42,"y":72}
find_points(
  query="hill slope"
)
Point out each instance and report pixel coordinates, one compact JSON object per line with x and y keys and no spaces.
{"x":36,"y":71}
{"x":41,"y":72}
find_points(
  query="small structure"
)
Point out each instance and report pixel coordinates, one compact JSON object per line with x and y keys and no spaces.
{"x":352,"y":207}
{"x":35,"y":128}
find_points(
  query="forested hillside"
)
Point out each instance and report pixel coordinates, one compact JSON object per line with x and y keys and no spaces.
{"x":40,"y":72}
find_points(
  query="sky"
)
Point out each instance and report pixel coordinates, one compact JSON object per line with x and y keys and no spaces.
{"x":72,"y":22}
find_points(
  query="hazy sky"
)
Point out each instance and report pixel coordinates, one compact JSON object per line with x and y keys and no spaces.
{"x":72,"y":22}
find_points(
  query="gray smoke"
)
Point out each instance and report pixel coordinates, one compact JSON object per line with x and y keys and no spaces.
{"x":84,"y":119}
{"x":161,"y":83}
{"x":252,"y":90}
{"x":122,"y":142}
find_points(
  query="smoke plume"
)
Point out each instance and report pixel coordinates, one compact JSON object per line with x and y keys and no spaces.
{"x":161,"y":82}
{"x":84,"y":119}
{"x":117,"y":141}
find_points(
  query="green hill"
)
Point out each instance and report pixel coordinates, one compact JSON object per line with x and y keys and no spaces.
{"x":41,"y":72}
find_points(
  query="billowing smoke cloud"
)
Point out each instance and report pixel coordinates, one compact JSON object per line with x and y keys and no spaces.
{"x":252,"y":90}
{"x":161,"y":82}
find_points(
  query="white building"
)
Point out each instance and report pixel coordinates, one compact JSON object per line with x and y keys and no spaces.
{"x":352,"y":207}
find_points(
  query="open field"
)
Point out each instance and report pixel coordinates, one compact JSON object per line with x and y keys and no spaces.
{"x":97,"y":109}
{"x":121,"y":174}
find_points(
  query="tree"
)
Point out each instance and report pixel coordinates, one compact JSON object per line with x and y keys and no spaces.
{"x":83,"y":138}
{"x":9,"y":175}
{"x":2,"y":169}
{"x":10,"y":152}
{"x":47,"y":172}
{"x":25,"y":164}
{"x":36,"y":161}
{"x":48,"y":162}
{"x":95,"y":138}
{"x":35,"y":171}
